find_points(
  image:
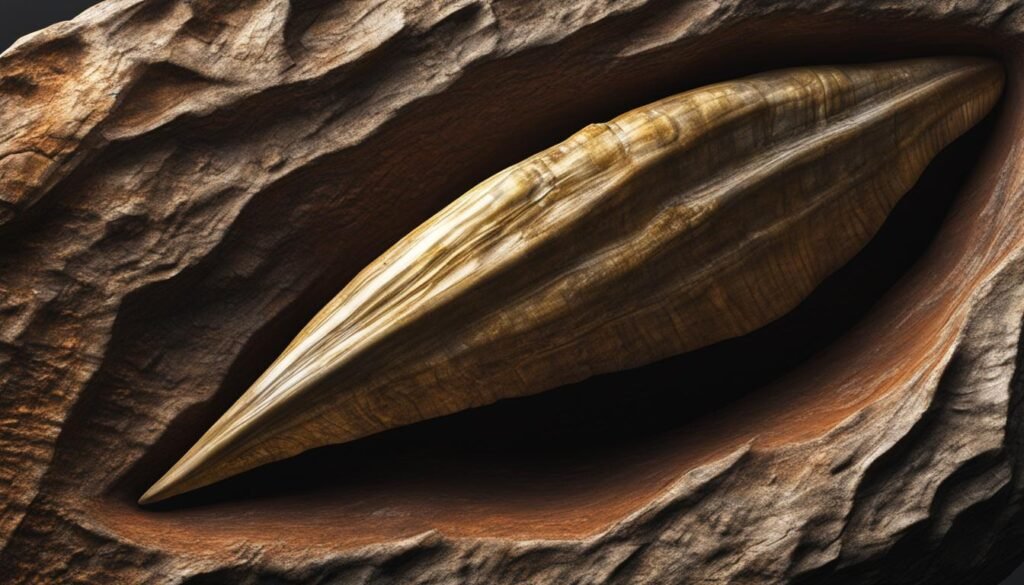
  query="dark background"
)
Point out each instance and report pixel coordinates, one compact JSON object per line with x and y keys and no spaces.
{"x":21,"y":17}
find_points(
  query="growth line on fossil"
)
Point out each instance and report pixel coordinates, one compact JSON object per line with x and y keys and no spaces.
{"x":698,"y":218}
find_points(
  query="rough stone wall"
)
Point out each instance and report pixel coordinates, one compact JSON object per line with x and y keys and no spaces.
{"x":183,"y":183}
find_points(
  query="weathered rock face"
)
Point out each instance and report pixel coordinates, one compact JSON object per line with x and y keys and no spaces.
{"x":184,"y":184}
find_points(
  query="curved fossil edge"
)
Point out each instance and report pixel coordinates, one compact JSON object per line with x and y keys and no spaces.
{"x":976,"y":505}
{"x":266,"y":423}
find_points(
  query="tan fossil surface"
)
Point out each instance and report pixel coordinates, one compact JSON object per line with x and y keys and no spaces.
{"x":183,"y":185}
{"x":694,"y":219}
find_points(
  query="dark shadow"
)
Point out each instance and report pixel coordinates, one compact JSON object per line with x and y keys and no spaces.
{"x":24,"y":16}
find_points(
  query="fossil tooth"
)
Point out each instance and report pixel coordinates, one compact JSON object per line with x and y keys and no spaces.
{"x":694,"y":219}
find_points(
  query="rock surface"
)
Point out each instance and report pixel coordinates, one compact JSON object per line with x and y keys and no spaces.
{"x":183,"y":184}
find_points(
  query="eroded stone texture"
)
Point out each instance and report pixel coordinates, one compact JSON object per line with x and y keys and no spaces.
{"x":185,"y":183}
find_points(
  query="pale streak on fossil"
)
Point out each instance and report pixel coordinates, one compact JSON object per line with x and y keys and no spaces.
{"x":694,"y":219}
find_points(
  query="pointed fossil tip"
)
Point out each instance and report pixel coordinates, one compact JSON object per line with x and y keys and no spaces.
{"x":149,"y":497}
{"x":177,"y":480}
{"x":159,"y":491}
{"x":210,"y":460}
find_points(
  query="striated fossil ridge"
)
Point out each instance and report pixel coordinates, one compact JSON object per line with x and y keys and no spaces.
{"x":694,"y":219}
{"x":184,"y":184}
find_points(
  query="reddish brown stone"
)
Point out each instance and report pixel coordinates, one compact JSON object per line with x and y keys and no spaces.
{"x":185,"y":183}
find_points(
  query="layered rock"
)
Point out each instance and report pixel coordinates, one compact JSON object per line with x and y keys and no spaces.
{"x":185,"y":183}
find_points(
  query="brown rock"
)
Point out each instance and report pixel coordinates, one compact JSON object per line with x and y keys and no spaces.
{"x":185,"y":183}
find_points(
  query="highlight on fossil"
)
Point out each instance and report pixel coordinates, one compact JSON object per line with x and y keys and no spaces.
{"x":694,"y":219}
